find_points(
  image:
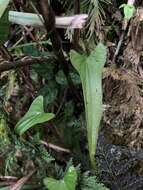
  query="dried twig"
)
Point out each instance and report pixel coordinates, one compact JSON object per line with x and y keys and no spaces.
{"x":8,"y":65}
{"x":35,"y":20}
{"x":55,"y":147}
{"x":77,"y":31}
{"x":18,"y":185}
{"x":5,"y":53}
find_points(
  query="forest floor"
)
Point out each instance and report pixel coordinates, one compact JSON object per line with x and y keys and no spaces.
{"x":33,"y":64}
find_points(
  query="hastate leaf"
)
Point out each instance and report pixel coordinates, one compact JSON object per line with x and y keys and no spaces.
{"x":128,"y":10}
{"x":67,"y":183}
{"x":35,"y":115}
{"x":90,"y":70}
{"x":70,"y":178}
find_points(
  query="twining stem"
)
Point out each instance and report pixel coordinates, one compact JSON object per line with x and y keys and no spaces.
{"x":49,"y":19}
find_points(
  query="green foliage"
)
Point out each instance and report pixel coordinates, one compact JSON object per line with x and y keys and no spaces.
{"x":42,"y":69}
{"x":49,"y":92}
{"x":35,"y":115}
{"x":61,"y":79}
{"x":4,"y":188}
{"x":67,"y":183}
{"x":4,"y":139}
{"x":128,"y":11}
{"x":3,"y":6}
{"x":90,"y":70}
{"x":91,"y":183}
{"x":11,"y":84}
{"x":23,"y":156}
{"x":4,"y":26}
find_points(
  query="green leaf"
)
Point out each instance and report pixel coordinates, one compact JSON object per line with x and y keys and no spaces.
{"x":67,"y":183}
{"x":128,"y":11}
{"x":5,"y":188}
{"x":122,"y":6}
{"x":35,"y":115}
{"x":4,"y":27}
{"x":49,"y":92}
{"x":90,"y":70}
{"x":61,"y":79}
{"x":3,"y":6}
{"x":4,"y":139}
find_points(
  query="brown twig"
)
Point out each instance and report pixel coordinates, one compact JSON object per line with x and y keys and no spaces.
{"x":77,"y":31}
{"x":62,"y":102}
{"x":8,"y":178}
{"x":5,"y":53}
{"x":49,"y":19}
{"x":18,"y":185}
{"x":55,"y":147}
{"x":8,"y":65}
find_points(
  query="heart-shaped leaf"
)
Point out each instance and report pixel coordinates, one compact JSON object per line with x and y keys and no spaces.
{"x":128,"y":10}
{"x":35,"y":115}
{"x":3,"y":6}
{"x":67,"y":183}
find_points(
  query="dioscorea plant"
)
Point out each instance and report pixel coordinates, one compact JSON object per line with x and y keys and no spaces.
{"x":34,"y":116}
{"x":90,"y":69}
{"x":67,"y":183}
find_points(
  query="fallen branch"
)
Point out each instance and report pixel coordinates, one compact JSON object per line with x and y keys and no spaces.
{"x":55,"y":147}
{"x":8,"y":65}
{"x":31,"y":19}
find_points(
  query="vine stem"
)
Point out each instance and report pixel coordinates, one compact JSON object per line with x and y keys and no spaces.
{"x":125,"y":24}
{"x":49,"y":21}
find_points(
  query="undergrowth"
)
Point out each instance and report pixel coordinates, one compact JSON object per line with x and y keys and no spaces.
{"x":45,"y":115}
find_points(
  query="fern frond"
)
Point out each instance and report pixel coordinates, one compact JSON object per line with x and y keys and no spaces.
{"x":96,"y":15}
{"x":91,"y":183}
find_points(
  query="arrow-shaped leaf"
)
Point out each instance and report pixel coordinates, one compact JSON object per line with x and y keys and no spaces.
{"x":90,"y":70}
{"x":35,"y":115}
{"x":67,"y":183}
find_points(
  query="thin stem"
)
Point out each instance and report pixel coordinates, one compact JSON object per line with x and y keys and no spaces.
{"x":49,"y":19}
